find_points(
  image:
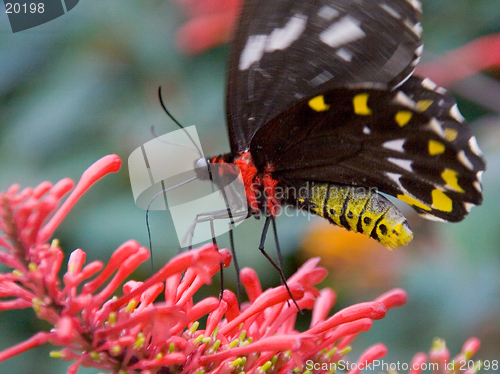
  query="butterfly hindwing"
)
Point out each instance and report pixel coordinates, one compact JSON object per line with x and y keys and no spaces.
{"x":287,"y":50}
{"x":408,"y":142}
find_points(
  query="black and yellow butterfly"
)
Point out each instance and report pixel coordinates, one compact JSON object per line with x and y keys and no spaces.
{"x":323,"y":112}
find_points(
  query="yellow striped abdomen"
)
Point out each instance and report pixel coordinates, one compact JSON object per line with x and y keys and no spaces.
{"x":354,"y":208}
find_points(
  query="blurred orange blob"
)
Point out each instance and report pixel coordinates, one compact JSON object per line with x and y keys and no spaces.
{"x":355,"y":260}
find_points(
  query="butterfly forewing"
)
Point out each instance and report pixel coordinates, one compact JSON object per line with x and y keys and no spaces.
{"x":287,"y":50}
{"x":408,"y":142}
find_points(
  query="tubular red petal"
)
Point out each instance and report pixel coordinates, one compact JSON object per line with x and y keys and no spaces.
{"x":324,"y":303}
{"x":76,"y":261}
{"x":372,"y":310}
{"x":202,"y":308}
{"x":119,"y":255}
{"x":271,"y":297}
{"x":233,"y":309}
{"x":215,"y":317}
{"x":35,"y":341}
{"x":204,"y":255}
{"x":346,"y":329}
{"x":41,"y":189}
{"x":251,"y":282}
{"x":106,"y":165}
{"x":417,"y":363}
{"x":126,"y":268}
{"x":393,"y":298}
{"x":478,"y":55}
{"x":14,"y":304}
{"x":373,"y":353}
{"x":171,"y":287}
{"x":470,"y":347}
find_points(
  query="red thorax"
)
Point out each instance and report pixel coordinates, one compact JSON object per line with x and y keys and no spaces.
{"x":257,"y":183}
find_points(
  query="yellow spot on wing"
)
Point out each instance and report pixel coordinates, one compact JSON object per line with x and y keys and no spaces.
{"x":412,"y":201}
{"x":403,"y":117}
{"x":450,"y":177}
{"x":441,"y":202}
{"x":450,"y":134}
{"x":318,"y":104}
{"x":423,"y":105}
{"x":360,"y":102}
{"x":435,"y":147}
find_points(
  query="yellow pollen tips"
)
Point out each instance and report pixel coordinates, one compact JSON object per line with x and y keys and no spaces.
{"x":435,"y":147}
{"x":55,"y":354}
{"x":450,"y":134}
{"x":403,"y":117}
{"x":360,"y":102}
{"x":318,"y":104}
{"x":441,"y":202}
{"x":450,"y":177}
{"x":412,"y":201}
{"x":423,"y":105}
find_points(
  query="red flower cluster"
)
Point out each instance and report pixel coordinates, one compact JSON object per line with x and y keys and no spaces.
{"x":131,"y":334}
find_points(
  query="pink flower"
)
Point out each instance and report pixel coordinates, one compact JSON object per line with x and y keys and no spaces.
{"x":133,"y":334}
{"x":211,"y":24}
{"x":472,"y":58}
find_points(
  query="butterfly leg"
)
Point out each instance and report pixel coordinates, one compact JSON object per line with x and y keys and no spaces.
{"x":278,"y":248}
{"x":278,"y":268}
{"x":236,"y":267}
{"x":211,"y":217}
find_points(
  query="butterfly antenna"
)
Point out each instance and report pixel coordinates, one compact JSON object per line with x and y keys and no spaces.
{"x":280,"y":271}
{"x":177,"y":122}
{"x":149,"y":238}
{"x":162,"y":192}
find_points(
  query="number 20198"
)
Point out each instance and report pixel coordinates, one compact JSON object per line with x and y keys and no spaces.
{"x":24,"y":8}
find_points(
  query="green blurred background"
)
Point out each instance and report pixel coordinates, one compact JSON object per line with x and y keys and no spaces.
{"x":85,"y":85}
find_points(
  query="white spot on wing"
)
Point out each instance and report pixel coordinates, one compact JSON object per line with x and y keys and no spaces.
{"x":395,"y":145}
{"x":395,"y":177}
{"x":344,"y":31}
{"x":436,"y":126}
{"x":390,"y":10}
{"x":367,"y":86}
{"x":477,"y":186}
{"x":328,"y":13}
{"x":468,"y":207}
{"x":415,"y":62}
{"x":430,"y":85}
{"x":403,"y":99}
{"x":431,"y":217}
{"x":475,"y":147}
{"x":344,"y":54}
{"x":419,"y":50}
{"x":253,"y":51}
{"x":325,"y":76}
{"x":416,"y":28}
{"x":403,"y":164}
{"x":279,"y":39}
{"x":464,"y":160}
{"x":416,"y":4}
{"x":366,"y":130}
{"x":455,"y":113}
{"x":441,"y":90}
